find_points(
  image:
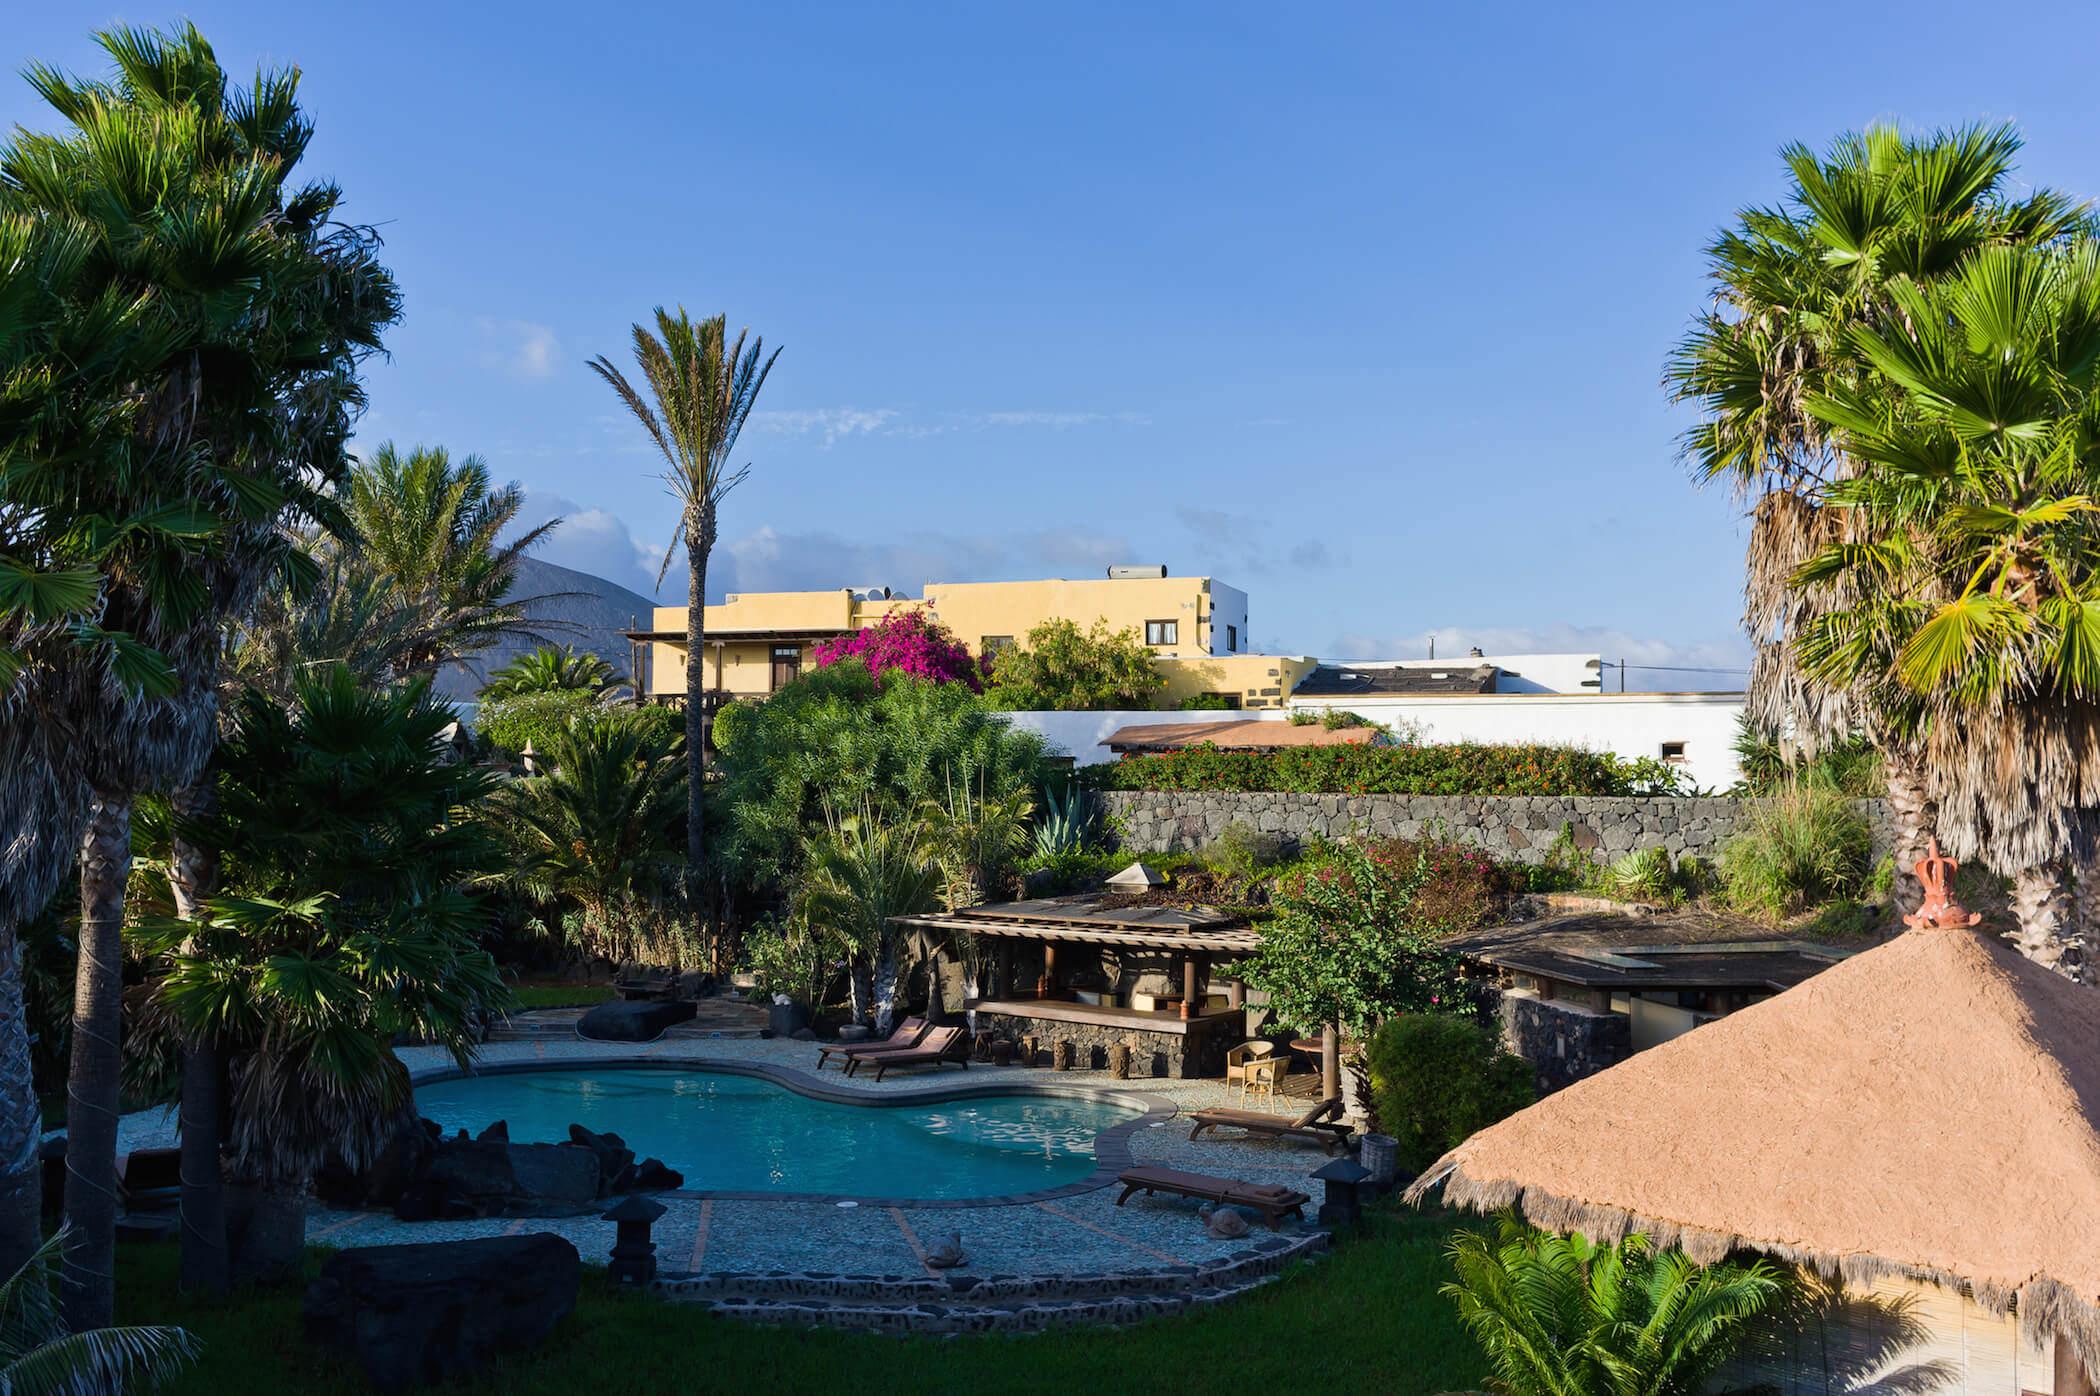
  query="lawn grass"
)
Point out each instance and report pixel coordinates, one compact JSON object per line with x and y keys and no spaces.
{"x":1365,"y":1318}
{"x":560,"y":995}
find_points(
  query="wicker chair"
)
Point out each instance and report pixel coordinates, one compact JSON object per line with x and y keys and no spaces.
{"x":1236,"y":1058}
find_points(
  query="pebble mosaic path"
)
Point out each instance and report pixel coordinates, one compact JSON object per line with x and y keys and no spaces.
{"x":1083,"y":1233}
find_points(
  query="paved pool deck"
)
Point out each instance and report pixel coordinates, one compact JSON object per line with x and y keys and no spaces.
{"x":1080,"y":1232}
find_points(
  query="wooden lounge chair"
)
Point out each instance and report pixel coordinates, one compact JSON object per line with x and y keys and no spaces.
{"x":941,"y":1045}
{"x":905,"y":1035}
{"x":644,"y":985}
{"x":1273,"y":1201}
{"x":1313,"y":1125}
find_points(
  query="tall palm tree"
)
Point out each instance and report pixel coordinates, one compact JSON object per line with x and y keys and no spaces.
{"x":260,"y":306}
{"x":434,"y":530}
{"x":865,"y":869}
{"x":549,"y":670}
{"x":701,"y":388}
{"x":1791,"y":283}
{"x":1565,"y":1316}
{"x":1977,"y":606}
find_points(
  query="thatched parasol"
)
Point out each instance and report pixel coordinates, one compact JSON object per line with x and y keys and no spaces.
{"x":1929,"y":1109}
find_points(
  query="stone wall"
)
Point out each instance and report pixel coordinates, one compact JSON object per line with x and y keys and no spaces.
{"x":1191,"y":1055}
{"x":1563,"y":1041}
{"x":1517,"y":828}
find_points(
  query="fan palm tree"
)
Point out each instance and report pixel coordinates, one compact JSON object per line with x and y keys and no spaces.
{"x":40,"y":1357}
{"x":701,"y":388}
{"x":550,"y":670}
{"x":1977,"y":605}
{"x":599,"y":830}
{"x":1790,"y":285}
{"x":864,"y":869}
{"x":260,"y":307}
{"x":1565,"y":1316}
{"x":350,"y":918}
{"x":434,"y":530}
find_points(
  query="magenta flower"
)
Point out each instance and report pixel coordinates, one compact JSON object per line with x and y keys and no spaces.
{"x":908,"y":641}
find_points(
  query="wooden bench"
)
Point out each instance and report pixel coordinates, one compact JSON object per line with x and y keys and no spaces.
{"x":1272,"y":1200}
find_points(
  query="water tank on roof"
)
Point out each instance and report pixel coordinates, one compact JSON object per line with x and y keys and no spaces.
{"x":1124,"y":572}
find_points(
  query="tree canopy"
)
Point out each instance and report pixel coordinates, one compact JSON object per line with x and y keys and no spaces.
{"x":1061,"y":668}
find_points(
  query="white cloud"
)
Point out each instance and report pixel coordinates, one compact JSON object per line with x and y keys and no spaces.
{"x":594,"y":541}
{"x":522,"y":347}
{"x":831,"y":423}
{"x":1651,"y":664}
{"x":1243,"y":545}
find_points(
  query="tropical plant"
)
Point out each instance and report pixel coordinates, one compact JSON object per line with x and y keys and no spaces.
{"x":1436,"y":1079}
{"x":1061,"y":668}
{"x":255,"y":308}
{"x":1460,"y":768}
{"x":435,"y":530}
{"x":865,"y":869}
{"x":1792,"y":286}
{"x":1359,"y":935}
{"x":791,"y":959}
{"x":838,"y":737}
{"x":1064,"y":824}
{"x":1566,"y":1316}
{"x":1848,"y":765}
{"x":40,"y":1356}
{"x":597,"y":836}
{"x":1975,"y":615}
{"x":534,"y":721}
{"x":1207,"y":703}
{"x":911,"y":641}
{"x":978,"y":838}
{"x":1798,"y":849}
{"x":551,"y":670}
{"x":702,"y":386}
{"x":350,"y":917}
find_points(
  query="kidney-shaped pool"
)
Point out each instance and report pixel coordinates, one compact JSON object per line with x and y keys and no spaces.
{"x":730,"y":1133}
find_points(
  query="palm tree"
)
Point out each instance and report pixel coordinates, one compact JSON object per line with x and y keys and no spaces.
{"x":550,"y":670}
{"x":702,"y":387}
{"x":599,"y":830}
{"x":864,"y":870}
{"x":434,"y":530}
{"x":39,"y":1357}
{"x":260,"y":307}
{"x":350,"y":918}
{"x":1565,"y":1316}
{"x":1790,"y":285}
{"x":1974,"y":608}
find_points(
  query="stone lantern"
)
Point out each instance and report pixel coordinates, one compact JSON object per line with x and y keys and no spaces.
{"x":1344,"y":1204}
{"x":633,"y":1253}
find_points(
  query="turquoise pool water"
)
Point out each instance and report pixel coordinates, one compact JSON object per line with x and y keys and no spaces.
{"x":742,"y":1134}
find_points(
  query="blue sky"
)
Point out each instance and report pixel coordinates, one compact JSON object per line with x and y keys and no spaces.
{"x":1361,"y":309}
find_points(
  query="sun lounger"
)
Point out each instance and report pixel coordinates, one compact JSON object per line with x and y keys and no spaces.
{"x":1312,"y":1125}
{"x":645,"y":985}
{"x":906,"y":1035}
{"x":941,"y":1045}
{"x":1273,"y":1201}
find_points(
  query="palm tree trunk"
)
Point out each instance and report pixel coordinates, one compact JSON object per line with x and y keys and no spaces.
{"x":2085,"y":894}
{"x":195,"y":878}
{"x":21,"y":1121}
{"x":87,"y":1276}
{"x":1912,"y":815}
{"x":698,"y":529}
{"x":2041,"y":903}
{"x":885,"y":986}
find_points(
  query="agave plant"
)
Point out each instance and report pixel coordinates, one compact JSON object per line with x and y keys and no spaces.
{"x":1567,"y":1316}
{"x":38,"y":1355}
{"x":1064,"y":824}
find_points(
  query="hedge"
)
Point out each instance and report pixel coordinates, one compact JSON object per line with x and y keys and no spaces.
{"x":1457,"y":769}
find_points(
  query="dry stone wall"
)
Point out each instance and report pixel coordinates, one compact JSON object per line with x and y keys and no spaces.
{"x":1516,"y":828}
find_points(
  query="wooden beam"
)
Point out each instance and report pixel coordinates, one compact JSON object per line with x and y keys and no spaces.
{"x":1330,"y":1063}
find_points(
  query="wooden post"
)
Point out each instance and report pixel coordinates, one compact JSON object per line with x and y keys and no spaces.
{"x":1003,"y":970}
{"x":1236,"y":993}
{"x":1191,"y":966}
{"x":1330,"y":1063}
{"x":1046,"y":987}
{"x":2072,"y":1379}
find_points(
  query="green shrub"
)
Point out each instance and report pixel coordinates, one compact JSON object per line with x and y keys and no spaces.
{"x":1802,"y":847}
{"x":535,"y":719}
{"x":1206,"y":703}
{"x":1436,"y":1079}
{"x":1406,"y":769}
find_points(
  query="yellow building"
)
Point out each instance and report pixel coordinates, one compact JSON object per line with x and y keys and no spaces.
{"x":1195,"y":626}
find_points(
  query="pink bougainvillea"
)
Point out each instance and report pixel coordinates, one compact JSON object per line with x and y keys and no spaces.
{"x":908,"y":641}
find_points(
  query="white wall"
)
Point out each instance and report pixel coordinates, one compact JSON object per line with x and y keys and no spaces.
{"x":1627,"y":724}
{"x":1228,"y":606}
{"x":1079,"y":734}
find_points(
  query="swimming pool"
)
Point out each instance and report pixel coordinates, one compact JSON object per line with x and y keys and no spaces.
{"x":729,"y":1133}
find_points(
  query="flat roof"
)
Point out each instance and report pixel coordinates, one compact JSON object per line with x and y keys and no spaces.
{"x":1607,"y":950}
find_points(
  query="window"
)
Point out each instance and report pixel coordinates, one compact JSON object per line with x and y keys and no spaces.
{"x":787,"y":665}
{"x":991,"y":645}
{"x":1673,"y":751}
{"x":1232,"y":639}
{"x":1162,"y":632}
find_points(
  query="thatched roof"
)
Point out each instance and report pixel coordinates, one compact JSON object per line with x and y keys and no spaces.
{"x":1928,"y":1108}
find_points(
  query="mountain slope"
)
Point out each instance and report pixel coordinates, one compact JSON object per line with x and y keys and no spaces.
{"x":571,"y":608}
